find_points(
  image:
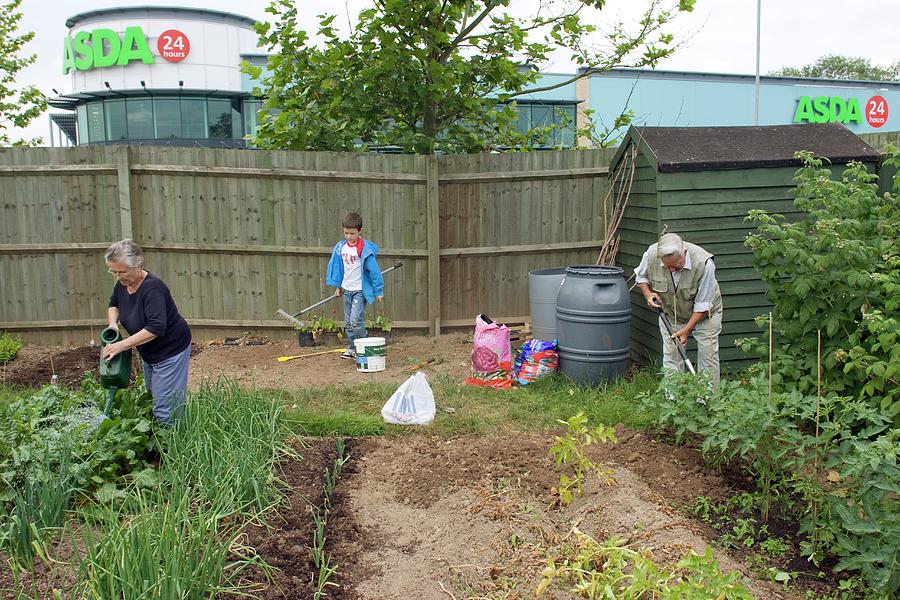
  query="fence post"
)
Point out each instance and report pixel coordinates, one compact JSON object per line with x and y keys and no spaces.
{"x":432,"y":201}
{"x":123,"y":165}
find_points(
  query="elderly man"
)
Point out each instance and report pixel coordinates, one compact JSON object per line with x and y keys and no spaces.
{"x":680,"y":278}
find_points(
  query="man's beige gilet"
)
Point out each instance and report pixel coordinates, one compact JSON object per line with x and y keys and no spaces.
{"x":679,"y":304}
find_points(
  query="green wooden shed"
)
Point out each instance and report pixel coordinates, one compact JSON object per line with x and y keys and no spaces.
{"x":700,"y":182}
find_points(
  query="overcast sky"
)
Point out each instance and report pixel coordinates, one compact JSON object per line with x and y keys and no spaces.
{"x":719,"y":36}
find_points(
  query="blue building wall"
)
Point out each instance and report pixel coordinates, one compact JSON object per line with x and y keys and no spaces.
{"x":565,"y":93}
{"x":679,"y":99}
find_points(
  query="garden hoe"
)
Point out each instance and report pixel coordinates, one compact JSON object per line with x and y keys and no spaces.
{"x":291,"y":319}
{"x":678,"y":345}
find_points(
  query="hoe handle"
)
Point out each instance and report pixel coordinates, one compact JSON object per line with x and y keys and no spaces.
{"x":678,"y":345}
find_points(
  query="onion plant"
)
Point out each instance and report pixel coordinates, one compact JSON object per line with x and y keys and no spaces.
{"x":321,"y":559}
{"x":175,"y":549}
{"x":224,"y":450}
{"x":38,"y":510}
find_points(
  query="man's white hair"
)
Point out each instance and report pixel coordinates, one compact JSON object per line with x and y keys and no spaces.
{"x":670,"y":244}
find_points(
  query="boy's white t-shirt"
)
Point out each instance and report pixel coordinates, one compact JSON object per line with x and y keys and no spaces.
{"x":352,"y":269}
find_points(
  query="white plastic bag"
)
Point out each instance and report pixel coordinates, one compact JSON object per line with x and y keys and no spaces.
{"x":411,"y":404}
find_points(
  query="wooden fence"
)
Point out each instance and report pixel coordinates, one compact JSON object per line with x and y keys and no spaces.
{"x":237,"y":234}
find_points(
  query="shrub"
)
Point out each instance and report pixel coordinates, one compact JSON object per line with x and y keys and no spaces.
{"x":836,"y":270}
{"x":9,"y":348}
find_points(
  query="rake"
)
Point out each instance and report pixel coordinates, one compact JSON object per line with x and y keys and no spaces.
{"x":291,"y":319}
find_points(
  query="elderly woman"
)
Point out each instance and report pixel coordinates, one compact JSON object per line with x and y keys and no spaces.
{"x":143,"y":305}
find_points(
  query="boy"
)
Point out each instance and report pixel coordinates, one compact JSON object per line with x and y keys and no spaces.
{"x":354,"y":271}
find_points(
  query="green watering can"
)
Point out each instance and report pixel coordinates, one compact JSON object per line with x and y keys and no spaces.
{"x":115,"y":374}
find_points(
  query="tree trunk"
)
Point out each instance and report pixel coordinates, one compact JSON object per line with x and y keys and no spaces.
{"x":429,"y":128}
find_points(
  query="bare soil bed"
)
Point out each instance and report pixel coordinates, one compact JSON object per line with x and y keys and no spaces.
{"x":258,"y":364}
{"x":471,"y":517}
{"x":254,"y":361}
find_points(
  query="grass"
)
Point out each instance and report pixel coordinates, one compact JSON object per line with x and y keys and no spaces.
{"x":354,"y":410}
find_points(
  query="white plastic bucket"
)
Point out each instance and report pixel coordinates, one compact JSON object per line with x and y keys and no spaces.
{"x":371,"y":354}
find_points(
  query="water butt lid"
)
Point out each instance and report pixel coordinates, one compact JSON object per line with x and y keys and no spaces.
{"x":594,"y":270}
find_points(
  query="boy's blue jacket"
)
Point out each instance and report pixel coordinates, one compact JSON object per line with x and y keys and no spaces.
{"x":372,"y":281}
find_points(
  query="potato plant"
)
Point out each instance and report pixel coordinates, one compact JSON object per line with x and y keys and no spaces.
{"x":842,"y":474}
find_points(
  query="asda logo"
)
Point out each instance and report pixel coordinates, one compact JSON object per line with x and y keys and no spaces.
{"x":831,"y":109}
{"x":104,"y":48}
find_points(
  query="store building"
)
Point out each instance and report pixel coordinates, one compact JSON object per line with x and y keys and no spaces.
{"x":157,"y":75}
{"x":683,"y":99}
{"x":171,"y":76}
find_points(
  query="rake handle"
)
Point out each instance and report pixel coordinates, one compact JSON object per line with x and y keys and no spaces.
{"x":332,"y":296}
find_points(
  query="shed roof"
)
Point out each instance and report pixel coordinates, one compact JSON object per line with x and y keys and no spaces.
{"x":677,"y":149}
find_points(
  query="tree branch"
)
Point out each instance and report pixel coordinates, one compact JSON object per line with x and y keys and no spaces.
{"x":465,"y":31}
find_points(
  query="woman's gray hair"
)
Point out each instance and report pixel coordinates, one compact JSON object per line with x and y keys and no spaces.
{"x":125,"y":251}
{"x":670,"y":244}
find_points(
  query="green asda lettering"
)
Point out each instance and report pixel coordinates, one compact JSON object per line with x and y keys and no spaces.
{"x":104,"y":48}
{"x":824,"y":109}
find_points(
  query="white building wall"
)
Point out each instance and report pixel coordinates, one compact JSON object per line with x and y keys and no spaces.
{"x":212,"y":63}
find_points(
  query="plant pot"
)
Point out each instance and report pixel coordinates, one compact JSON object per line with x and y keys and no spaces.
{"x":330,"y":338}
{"x":382,"y":334}
{"x":305,"y":339}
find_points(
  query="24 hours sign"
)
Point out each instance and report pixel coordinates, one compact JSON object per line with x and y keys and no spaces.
{"x":107,"y":48}
{"x":173,"y":45}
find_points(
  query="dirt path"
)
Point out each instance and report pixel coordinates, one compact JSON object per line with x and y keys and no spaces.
{"x":434,"y":518}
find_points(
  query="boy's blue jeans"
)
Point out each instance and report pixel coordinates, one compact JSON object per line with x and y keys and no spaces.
{"x":354,"y":305}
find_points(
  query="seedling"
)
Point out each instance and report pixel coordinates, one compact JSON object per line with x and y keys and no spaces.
{"x":570,"y":449}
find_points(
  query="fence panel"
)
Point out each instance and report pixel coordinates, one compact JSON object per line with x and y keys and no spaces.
{"x":237,"y":234}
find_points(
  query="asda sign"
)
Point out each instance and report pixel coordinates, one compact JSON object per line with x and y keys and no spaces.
{"x":106,"y":48}
{"x":831,"y":109}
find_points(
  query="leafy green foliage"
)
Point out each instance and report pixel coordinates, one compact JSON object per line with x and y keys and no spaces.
{"x":380,"y":321}
{"x":54,"y":426}
{"x":837,"y":459}
{"x":570,"y":449}
{"x":599,"y":570}
{"x":423,"y":76}
{"x":836,"y":271}
{"x":836,"y":66}
{"x":17,"y":108}
{"x":9,"y":348}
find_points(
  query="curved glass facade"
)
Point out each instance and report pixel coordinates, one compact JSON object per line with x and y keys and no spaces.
{"x":185,"y":118}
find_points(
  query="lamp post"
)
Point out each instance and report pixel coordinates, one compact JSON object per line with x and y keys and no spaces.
{"x":758,"y":12}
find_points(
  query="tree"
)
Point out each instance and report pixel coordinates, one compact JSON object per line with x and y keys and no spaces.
{"x":17,"y":109}
{"x":427,"y":75}
{"x":835,"y":66}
